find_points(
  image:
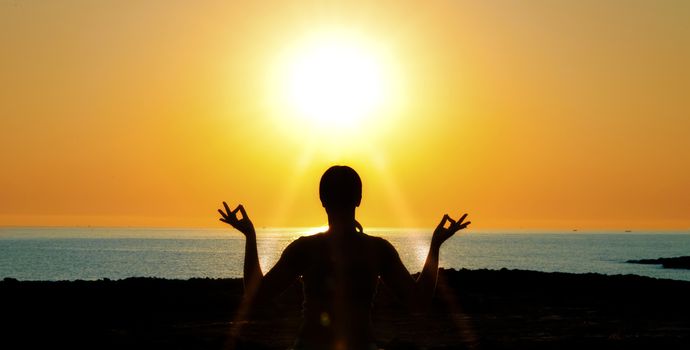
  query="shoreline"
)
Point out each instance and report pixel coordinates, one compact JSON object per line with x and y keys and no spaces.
{"x":679,"y":262}
{"x":488,"y":309}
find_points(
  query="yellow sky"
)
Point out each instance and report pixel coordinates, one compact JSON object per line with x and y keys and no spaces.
{"x":531,"y":114}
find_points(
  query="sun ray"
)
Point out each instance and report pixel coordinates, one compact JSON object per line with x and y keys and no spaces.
{"x":286,"y":199}
{"x":394,"y":195}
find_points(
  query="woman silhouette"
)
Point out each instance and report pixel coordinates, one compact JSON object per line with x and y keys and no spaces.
{"x":340,"y":268}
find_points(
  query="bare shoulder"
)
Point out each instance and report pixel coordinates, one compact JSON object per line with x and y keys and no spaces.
{"x":382,"y":246}
{"x":305,"y":242}
{"x":298,"y":251}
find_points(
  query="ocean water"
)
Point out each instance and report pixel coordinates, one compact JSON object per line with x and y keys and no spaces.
{"x":115,"y":253}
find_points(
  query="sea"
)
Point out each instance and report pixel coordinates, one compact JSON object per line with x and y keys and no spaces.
{"x":86,"y":253}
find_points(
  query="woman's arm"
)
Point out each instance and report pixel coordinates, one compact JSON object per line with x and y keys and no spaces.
{"x":252,"y":269}
{"x":419,"y":293}
{"x":258,"y":287}
{"x":426,"y":283}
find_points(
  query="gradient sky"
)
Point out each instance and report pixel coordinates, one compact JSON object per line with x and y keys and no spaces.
{"x":529,"y":114}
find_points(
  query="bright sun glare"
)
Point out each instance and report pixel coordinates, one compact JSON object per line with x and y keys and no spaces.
{"x":334,"y":83}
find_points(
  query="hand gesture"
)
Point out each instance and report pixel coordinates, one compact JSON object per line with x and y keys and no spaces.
{"x":442,"y":233}
{"x":243,"y":225}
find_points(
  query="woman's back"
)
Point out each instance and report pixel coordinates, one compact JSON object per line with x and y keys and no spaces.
{"x":339,"y":274}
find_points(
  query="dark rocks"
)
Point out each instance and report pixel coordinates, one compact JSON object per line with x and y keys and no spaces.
{"x":485,"y":309}
{"x":680,"y":262}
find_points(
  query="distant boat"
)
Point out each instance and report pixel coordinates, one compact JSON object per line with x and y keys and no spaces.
{"x":628,"y":231}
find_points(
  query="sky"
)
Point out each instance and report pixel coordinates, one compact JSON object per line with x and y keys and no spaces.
{"x":526,"y":115}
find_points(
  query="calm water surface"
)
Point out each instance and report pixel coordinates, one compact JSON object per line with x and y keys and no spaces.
{"x":94,"y":253}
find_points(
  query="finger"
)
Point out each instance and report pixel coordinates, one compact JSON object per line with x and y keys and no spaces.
{"x":234,"y":213}
{"x":465,"y":224}
{"x":223,"y":220}
{"x":222,"y":214}
{"x":244,"y":212}
{"x":443,"y":220}
{"x":462,"y":218}
{"x":227,"y":209}
{"x":458,"y":224}
{"x":452,"y":222}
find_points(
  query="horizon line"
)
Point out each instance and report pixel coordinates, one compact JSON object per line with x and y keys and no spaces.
{"x":375,"y":228}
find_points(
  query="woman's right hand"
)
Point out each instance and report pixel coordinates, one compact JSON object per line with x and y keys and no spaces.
{"x":243,"y":225}
{"x":441,"y":233}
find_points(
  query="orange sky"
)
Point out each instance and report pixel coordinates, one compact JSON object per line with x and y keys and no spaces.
{"x":534,"y":114}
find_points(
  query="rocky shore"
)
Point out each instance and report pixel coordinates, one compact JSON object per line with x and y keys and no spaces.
{"x":473,"y":309}
{"x":680,"y":262}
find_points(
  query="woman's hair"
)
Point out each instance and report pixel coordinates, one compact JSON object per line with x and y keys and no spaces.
{"x":340,"y":187}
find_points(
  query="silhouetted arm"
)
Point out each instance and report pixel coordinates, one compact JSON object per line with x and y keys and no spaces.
{"x":419,"y":293}
{"x":426,"y":283}
{"x":396,"y":276}
{"x":252,"y":269}
{"x":258,"y":287}
{"x":282,"y":275}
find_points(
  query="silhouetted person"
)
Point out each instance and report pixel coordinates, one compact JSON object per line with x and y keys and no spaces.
{"x":340,"y":268}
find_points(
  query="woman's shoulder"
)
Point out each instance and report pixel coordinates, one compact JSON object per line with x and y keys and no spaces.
{"x":304,"y":245}
{"x":378,"y":242}
{"x":310,"y":239}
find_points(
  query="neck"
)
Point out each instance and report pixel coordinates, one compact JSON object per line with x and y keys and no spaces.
{"x":341,"y":220}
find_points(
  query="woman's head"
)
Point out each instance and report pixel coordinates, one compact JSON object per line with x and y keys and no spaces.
{"x":340,"y":188}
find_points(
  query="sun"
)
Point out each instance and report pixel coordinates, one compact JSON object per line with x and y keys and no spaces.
{"x":335,"y":83}
{"x":335,"y":90}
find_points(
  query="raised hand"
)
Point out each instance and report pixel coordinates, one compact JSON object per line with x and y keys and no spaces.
{"x":243,"y":225}
{"x":442,"y":233}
